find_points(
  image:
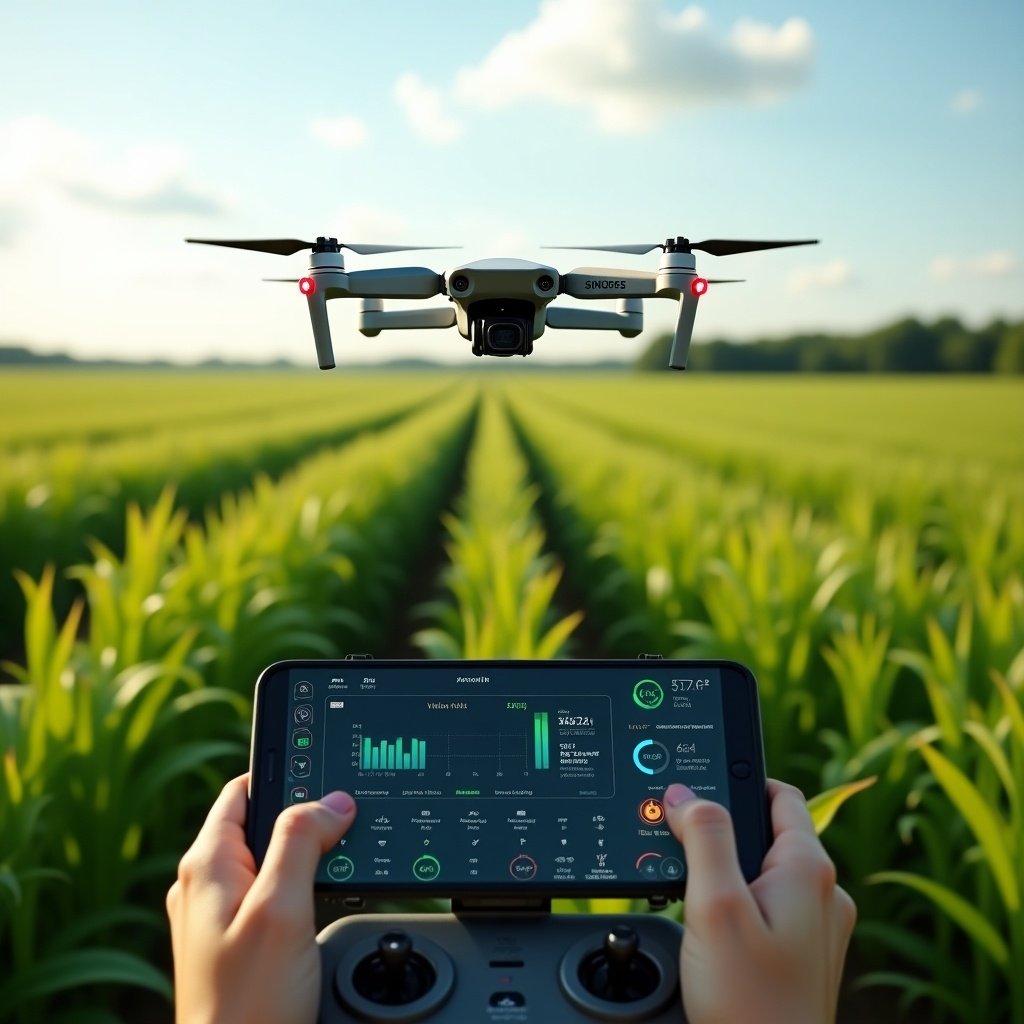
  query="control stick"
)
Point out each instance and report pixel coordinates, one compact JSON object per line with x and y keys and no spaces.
{"x":395,"y":974}
{"x":618,"y":972}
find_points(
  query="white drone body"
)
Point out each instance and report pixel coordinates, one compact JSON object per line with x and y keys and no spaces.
{"x":502,"y":305}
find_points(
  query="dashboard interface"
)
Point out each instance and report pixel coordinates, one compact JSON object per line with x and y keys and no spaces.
{"x":546,"y":777}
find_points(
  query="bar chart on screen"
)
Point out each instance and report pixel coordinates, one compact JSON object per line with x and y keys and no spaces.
{"x":559,"y":745}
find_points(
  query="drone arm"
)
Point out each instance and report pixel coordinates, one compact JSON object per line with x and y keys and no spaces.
{"x":373,"y":318}
{"x":628,"y":319}
{"x":394,"y":283}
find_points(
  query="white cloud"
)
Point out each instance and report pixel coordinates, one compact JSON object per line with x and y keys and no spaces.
{"x":997,"y":263}
{"x":965,"y":102}
{"x":825,"y":276}
{"x":342,"y":133}
{"x":631,"y":62}
{"x":44,"y":161}
{"x":423,"y":106}
{"x":120,"y":212}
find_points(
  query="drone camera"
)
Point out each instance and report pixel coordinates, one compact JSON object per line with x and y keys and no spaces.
{"x":501,"y":327}
{"x":500,"y":304}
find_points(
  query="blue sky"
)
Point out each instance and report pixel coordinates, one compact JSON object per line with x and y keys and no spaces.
{"x":892,"y":132}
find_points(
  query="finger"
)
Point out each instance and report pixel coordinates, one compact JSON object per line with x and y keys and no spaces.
{"x":844,"y":918}
{"x":796,"y":887}
{"x":223,"y":829}
{"x":302,"y":834}
{"x":796,"y":840}
{"x":716,"y":891}
{"x":789,"y":809}
{"x":218,"y":868}
{"x":230,"y":806}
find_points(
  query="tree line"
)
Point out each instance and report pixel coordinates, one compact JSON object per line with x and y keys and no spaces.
{"x":906,"y":346}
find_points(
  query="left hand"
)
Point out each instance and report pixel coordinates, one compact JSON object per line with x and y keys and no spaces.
{"x":245,"y":942}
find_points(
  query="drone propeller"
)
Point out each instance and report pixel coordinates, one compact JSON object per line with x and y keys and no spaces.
{"x":289,"y":246}
{"x":635,"y":250}
{"x":713,"y":246}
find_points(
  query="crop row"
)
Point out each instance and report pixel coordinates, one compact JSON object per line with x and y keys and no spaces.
{"x":498,"y":586}
{"x":873,"y":660}
{"x":46,"y":407}
{"x":108,"y":731}
{"x":886,"y":633}
{"x":52,"y":501}
{"x":857,"y":422}
{"x":867,"y":455}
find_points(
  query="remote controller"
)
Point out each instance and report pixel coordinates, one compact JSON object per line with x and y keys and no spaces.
{"x":502,"y":785}
{"x":508,"y":968}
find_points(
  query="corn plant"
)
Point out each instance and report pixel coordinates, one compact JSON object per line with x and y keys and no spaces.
{"x":111,"y":726}
{"x":52,"y":499}
{"x":500,"y":581}
{"x":75,"y":821}
{"x":844,"y":608}
{"x":974,"y":866}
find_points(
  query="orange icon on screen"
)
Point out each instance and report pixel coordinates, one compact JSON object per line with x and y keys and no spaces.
{"x":652,"y":811}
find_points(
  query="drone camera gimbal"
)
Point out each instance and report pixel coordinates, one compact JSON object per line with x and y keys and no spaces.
{"x":503,"y":305}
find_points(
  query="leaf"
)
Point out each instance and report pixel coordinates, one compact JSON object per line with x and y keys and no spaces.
{"x":81,"y":967}
{"x":990,"y":745}
{"x":9,"y":881}
{"x":1013,"y":705}
{"x":954,"y":906}
{"x":915,"y":988}
{"x":902,"y":940}
{"x":76,"y":932}
{"x":823,"y":807}
{"x":551,"y":644}
{"x":180,"y":760}
{"x":989,"y":831}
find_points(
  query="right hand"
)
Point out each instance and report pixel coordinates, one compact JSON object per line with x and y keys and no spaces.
{"x":770,"y":952}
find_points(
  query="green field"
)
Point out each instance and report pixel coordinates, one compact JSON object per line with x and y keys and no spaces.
{"x":859,"y":542}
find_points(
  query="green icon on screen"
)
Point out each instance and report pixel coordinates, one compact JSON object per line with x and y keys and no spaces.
{"x":648,"y":694}
{"x":426,"y":868}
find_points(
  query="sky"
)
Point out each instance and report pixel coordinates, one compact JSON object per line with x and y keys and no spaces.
{"x":894,"y":133}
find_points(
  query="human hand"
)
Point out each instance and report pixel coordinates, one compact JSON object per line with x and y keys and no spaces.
{"x":245,"y":942}
{"x":770,"y":952}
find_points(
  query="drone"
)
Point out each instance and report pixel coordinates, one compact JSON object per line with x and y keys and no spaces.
{"x":502,"y":305}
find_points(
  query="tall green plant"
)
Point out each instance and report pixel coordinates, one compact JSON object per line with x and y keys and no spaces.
{"x":500,"y":582}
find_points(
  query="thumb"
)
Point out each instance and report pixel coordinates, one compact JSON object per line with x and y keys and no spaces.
{"x":713,"y":869}
{"x":302,"y":834}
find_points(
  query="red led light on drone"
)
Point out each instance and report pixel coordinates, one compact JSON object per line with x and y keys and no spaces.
{"x":698,"y":286}
{"x":307,"y":285}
